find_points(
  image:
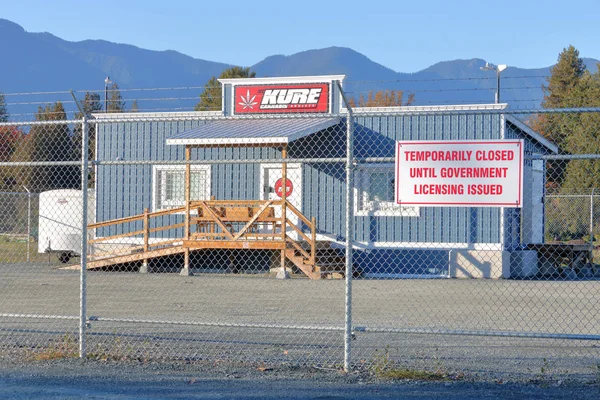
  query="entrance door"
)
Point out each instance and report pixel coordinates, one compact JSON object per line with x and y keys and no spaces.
{"x":272,"y":189}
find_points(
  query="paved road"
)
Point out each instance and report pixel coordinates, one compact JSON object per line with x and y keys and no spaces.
{"x":73,"y":380}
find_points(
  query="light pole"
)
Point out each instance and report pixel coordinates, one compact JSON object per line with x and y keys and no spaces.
{"x":106,"y":82}
{"x":498,"y":69}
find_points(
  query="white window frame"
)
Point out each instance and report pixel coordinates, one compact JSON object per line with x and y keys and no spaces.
{"x":157,"y":169}
{"x":362,"y":176}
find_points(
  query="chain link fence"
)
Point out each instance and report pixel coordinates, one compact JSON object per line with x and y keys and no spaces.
{"x":278,"y":241}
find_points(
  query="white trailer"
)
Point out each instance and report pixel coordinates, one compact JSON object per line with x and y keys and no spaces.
{"x":60,"y":220}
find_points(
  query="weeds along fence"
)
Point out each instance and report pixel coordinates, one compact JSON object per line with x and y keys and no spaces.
{"x":174,"y":248}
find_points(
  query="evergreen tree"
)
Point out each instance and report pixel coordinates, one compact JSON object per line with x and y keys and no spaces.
{"x":211,"y":97}
{"x":115,"y":102}
{"x":563,"y":80}
{"x":3,"y":111}
{"x":134,"y":107}
{"x":571,"y":86}
{"x":563,"y":90}
{"x":48,"y":143}
{"x":583,"y":137}
{"x":10,"y":138}
{"x":91,"y":104}
{"x":8,"y":135}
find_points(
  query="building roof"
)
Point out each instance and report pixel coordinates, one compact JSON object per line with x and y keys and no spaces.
{"x":265,"y":131}
{"x":532,"y":134}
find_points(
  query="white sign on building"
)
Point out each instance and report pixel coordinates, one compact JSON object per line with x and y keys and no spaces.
{"x":477,"y":173}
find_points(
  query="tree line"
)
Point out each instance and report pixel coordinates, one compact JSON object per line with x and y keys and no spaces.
{"x":569,"y":85}
{"x":50,"y":143}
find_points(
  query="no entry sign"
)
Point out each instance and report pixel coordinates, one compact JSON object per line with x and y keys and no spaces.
{"x":482,"y":173}
{"x":289,"y":188}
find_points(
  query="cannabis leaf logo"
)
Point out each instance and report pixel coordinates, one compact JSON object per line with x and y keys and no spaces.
{"x":247,"y":102}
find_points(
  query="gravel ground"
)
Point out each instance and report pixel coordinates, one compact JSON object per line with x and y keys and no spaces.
{"x":210,"y":314}
{"x":70,"y":379}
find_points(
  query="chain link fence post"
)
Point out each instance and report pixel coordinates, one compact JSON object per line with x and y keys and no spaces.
{"x":84,"y":238}
{"x":349,"y":231}
{"x":28,"y":223}
{"x":592,"y":219}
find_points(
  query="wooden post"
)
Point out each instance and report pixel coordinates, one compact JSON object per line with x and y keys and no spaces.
{"x":313,"y":244}
{"x":283,"y":206}
{"x":212,"y":224}
{"x":283,"y":192}
{"x":144,"y":267}
{"x":186,"y":229}
{"x":146,"y":229}
{"x":188,"y":173}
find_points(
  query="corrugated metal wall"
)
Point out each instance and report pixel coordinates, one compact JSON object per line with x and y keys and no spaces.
{"x":375,"y":137}
{"x":127,"y":190}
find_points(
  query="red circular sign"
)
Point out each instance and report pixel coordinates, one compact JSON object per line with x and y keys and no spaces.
{"x":289,"y":188}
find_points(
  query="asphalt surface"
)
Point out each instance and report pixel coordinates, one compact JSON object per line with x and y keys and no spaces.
{"x":256,"y":319}
{"x":112,"y":381}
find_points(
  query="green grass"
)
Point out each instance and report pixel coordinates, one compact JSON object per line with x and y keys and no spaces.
{"x":15,"y":251}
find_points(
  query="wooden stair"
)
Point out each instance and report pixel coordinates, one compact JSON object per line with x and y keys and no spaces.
{"x":304,"y":265}
{"x":330,"y":263}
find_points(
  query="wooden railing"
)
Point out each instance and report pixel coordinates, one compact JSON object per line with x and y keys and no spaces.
{"x":217,"y":221}
{"x":116,"y":240}
{"x":312,"y":225}
{"x":234,"y":220}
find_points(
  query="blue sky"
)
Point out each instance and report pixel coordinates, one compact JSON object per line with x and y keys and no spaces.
{"x":404,"y":36}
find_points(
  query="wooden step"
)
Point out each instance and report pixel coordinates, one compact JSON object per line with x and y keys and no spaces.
{"x":319,"y":270}
{"x":309,"y":270}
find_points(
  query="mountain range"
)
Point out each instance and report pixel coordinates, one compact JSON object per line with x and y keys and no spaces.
{"x":42,"y":62}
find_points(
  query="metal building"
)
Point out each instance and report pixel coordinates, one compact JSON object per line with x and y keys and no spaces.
{"x":391,"y":240}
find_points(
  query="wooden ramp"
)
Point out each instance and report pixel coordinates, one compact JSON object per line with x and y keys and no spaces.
{"x":234,"y":224}
{"x":111,"y":260}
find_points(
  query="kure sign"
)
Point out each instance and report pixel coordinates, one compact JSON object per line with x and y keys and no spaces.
{"x":282,"y":98}
{"x":480,"y":173}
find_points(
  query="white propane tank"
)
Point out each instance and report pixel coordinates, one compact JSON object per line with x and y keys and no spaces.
{"x":60,"y":219}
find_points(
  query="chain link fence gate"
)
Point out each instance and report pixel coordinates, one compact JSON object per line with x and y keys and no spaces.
{"x":447,"y":290}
